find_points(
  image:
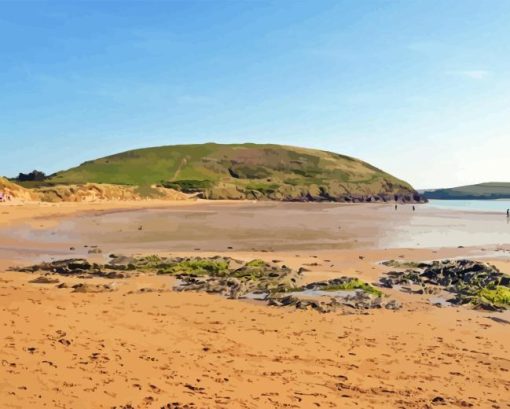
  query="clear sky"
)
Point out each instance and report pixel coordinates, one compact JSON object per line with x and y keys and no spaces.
{"x":420,"y":89}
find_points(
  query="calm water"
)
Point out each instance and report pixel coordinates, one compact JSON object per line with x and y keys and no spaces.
{"x":267,"y":226}
{"x":497,"y":206}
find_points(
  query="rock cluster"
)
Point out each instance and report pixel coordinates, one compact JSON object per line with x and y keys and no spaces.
{"x":272,"y":282}
{"x":239,"y":279}
{"x":72,"y":267}
{"x":355,"y":300}
{"x":44,"y":280}
{"x":331,"y":295}
{"x":470,"y":281}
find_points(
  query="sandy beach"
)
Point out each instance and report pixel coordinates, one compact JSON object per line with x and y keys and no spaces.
{"x":133,"y":349}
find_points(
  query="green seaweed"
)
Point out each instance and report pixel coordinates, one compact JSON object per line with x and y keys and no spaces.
{"x":150,"y":262}
{"x":254,"y":269}
{"x":354,"y":284}
{"x":497,"y":295}
{"x":256,"y":263}
{"x":197,"y":267}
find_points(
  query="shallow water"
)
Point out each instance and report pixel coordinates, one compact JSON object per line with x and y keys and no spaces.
{"x":494,"y":206}
{"x":440,"y":302}
{"x":265,"y":227}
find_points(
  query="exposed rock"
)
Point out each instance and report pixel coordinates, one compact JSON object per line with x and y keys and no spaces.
{"x":342,"y":284}
{"x":64,"y":267}
{"x":44,"y":280}
{"x":481,"y":284}
{"x":91,"y":288}
{"x":357,"y":300}
{"x":71,"y":267}
{"x":393,"y":305}
{"x":256,"y":279}
{"x":256,"y":275}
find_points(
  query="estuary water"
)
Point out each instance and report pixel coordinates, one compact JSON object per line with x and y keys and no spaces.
{"x":493,"y":206}
{"x":269,"y":226}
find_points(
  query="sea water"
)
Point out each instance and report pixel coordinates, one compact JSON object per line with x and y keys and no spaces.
{"x":493,"y":206}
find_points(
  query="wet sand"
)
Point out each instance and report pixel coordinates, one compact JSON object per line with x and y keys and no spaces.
{"x":69,"y":350}
{"x":259,"y":226}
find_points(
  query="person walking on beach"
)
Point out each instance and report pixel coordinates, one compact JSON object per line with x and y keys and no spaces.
{"x":414,"y":208}
{"x":395,"y":206}
{"x":508,"y":213}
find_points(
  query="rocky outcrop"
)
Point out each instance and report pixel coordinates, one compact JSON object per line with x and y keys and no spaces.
{"x":239,"y":279}
{"x":343,"y":293}
{"x":354,"y":301}
{"x":309,"y":193}
{"x":72,"y":267}
{"x":474,"y":282}
{"x":272,"y":282}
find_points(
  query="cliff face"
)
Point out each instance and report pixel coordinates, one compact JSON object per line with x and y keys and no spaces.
{"x":244,"y":171}
{"x":313,"y":193}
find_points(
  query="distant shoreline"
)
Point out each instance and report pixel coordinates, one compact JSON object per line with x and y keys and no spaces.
{"x":496,"y":206}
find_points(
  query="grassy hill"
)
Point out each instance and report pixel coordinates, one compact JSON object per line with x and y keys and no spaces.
{"x":486,"y":191}
{"x":243,"y":171}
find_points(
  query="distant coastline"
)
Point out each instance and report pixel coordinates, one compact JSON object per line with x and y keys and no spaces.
{"x":481,"y":191}
{"x":471,"y":205}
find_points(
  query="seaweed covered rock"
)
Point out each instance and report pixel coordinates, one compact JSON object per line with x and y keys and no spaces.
{"x":343,"y":284}
{"x":346,"y":293}
{"x":255,"y":275}
{"x":474,"y":282}
{"x":357,"y":300}
{"x":226,"y":276}
{"x":70,"y":266}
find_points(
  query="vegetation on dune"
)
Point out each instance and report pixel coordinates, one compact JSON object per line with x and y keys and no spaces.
{"x":15,"y":191}
{"x":241,"y":171}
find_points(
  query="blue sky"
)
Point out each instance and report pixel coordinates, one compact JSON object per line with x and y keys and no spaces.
{"x":418,"y":88}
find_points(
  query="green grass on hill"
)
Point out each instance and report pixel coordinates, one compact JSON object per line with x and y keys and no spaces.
{"x":492,"y":190}
{"x":238,"y":171}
